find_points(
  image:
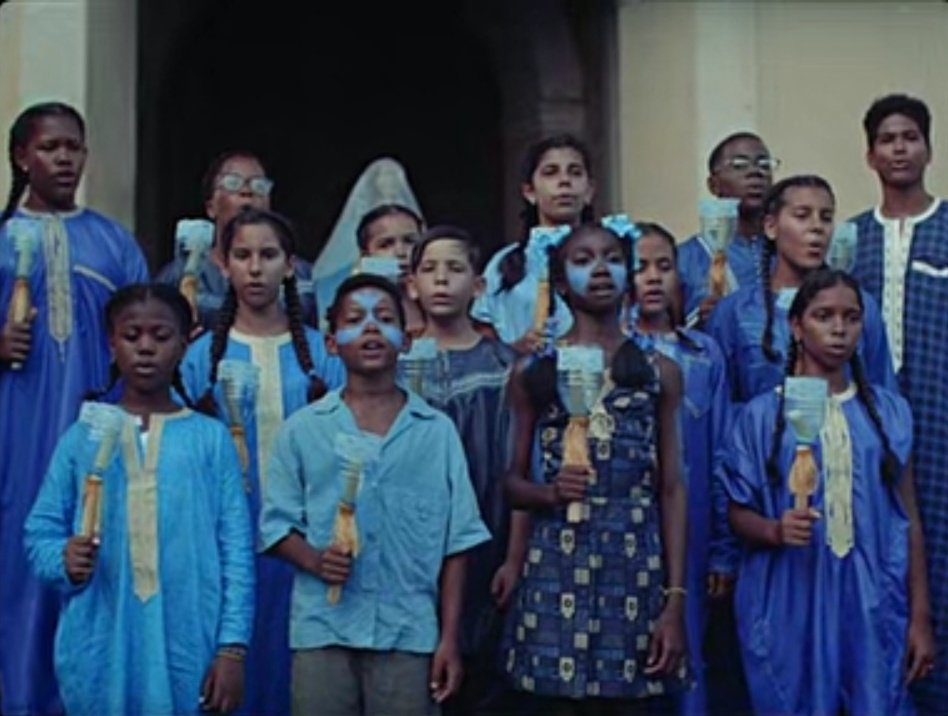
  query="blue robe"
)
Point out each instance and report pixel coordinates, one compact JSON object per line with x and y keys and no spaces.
{"x":737,"y":323}
{"x":139,"y":636}
{"x":923,"y":379}
{"x":267,"y":676}
{"x":823,"y":634}
{"x":694,"y":262}
{"x":704,"y":415}
{"x":69,"y":356}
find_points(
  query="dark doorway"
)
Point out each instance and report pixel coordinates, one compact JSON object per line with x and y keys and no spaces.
{"x":318,"y":93}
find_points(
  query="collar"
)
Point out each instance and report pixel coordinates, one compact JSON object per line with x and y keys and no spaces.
{"x":917,"y":219}
{"x":332,"y":402}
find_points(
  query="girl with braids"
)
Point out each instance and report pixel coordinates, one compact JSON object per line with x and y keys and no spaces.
{"x":596,"y":624}
{"x":294,"y":369}
{"x":156,"y":605}
{"x":751,"y":325}
{"x":832,"y":600}
{"x":704,"y":415}
{"x":557,"y":188}
{"x":47,"y":363}
{"x":234,"y":181}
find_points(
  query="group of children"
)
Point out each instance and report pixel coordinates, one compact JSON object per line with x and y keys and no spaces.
{"x":514,"y":491}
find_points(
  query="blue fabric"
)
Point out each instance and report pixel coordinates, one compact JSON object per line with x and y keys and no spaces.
{"x":924,"y":381}
{"x":738,"y":321}
{"x":694,"y":262}
{"x":511,"y":312}
{"x":212,"y":287}
{"x":116,"y":654}
{"x":704,"y":416}
{"x":38,"y":403}
{"x":581,"y":620}
{"x":470,"y":386}
{"x":822,"y":634}
{"x":268,"y":666}
{"x":410,"y":515}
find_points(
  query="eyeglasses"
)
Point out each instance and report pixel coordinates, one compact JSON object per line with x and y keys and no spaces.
{"x":262,"y":186}
{"x":741,"y":163}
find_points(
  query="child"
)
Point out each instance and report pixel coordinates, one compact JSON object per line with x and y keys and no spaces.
{"x":294,"y":368}
{"x":750,"y":325}
{"x":47,"y":363}
{"x":158,"y":601}
{"x":597,"y":622}
{"x":832,"y":600}
{"x":704,"y":415}
{"x":234,"y":181}
{"x":365,"y":627}
{"x":557,"y":189}
{"x":468,"y":381}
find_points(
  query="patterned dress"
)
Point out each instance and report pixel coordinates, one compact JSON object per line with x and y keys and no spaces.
{"x":583,"y":616}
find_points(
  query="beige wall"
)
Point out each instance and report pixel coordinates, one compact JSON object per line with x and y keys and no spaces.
{"x":799,"y":73}
{"x":82,"y":52}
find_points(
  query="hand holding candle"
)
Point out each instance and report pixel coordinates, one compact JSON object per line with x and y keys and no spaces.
{"x":804,"y":410}
{"x":194,"y":238}
{"x":25,"y":235}
{"x":239,"y":380}
{"x":542,"y":240}
{"x":106,"y":423}
{"x":718,"y":220}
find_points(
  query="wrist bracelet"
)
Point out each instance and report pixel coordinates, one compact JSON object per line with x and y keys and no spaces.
{"x":234,"y":653}
{"x":668,"y":591}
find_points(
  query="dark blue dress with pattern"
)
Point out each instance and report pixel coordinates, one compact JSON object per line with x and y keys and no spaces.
{"x":583,"y":616}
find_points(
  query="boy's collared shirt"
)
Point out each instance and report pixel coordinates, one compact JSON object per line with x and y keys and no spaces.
{"x":415,"y":506}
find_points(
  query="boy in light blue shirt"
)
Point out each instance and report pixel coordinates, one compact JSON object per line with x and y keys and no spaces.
{"x":389,"y":644}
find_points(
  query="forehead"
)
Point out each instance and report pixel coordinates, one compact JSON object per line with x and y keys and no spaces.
{"x":367,"y":299}
{"x":897,"y":123}
{"x":261,"y":234}
{"x":445,"y":250}
{"x":808,"y":196}
{"x":746,"y":147}
{"x":561,"y":156}
{"x":395,"y":224}
{"x":592,"y":239}
{"x":244,"y":166}
{"x":654,"y":246}
{"x":150,"y":310}
{"x":837,"y":296}
{"x":55,"y":126}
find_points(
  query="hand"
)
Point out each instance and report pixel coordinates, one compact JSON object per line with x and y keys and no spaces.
{"x":446,"y":670}
{"x":528,"y":342}
{"x":571,"y":483}
{"x":15,"y":339}
{"x":796,"y":526}
{"x":720,"y":585}
{"x":223,"y":687}
{"x":79,"y":557}
{"x":333,"y":565}
{"x":667,"y":647}
{"x":920,"y":650}
{"x":504,"y":583}
{"x":706,"y":307}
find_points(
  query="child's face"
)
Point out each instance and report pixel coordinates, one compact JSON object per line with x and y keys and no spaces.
{"x":444,"y":282}
{"x":54,"y":158}
{"x":224,"y":204}
{"x":560,"y":186}
{"x":368,"y":335}
{"x":393,"y":235}
{"x":595,"y":270}
{"x":803,"y":227}
{"x":748,"y":183}
{"x":899,"y":153}
{"x":830,"y":327}
{"x":656,"y":281}
{"x":256,"y":265}
{"x":147,"y":345}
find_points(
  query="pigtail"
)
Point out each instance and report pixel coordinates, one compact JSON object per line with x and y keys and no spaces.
{"x":773,"y":468}
{"x":294,"y":313}
{"x":767,"y":340}
{"x":20,"y":180}
{"x":630,"y":365}
{"x":113,"y":379}
{"x":890,"y":463}
{"x":177,"y":382}
{"x":225,"y":319}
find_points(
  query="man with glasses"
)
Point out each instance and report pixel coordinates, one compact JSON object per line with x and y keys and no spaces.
{"x":739,"y":167}
{"x":234,"y":181}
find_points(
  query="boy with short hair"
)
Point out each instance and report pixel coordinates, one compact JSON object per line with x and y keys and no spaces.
{"x":365,"y":623}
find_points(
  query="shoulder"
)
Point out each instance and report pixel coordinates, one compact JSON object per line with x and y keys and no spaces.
{"x":865,"y":217}
{"x":893,"y":407}
{"x":761,"y":408}
{"x":302,"y":268}
{"x":314,"y":336}
{"x":690,"y":247}
{"x":493,"y":263}
{"x":104,"y":223}
{"x":501,"y":353}
{"x":200,"y":345}
{"x":171,"y":272}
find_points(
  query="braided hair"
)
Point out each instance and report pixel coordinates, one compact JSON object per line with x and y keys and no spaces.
{"x":773,"y":202}
{"x":140,"y":293}
{"x":294,"y":311}
{"x":20,"y":134}
{"x":513,"y":266}
{"x":813,"y":284}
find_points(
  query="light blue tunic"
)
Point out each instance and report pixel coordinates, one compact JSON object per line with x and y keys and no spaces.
{"x":267,"y":675}
{"x":822,"y":634}
{"x":85,"y":257}
{"x":120,"y":653}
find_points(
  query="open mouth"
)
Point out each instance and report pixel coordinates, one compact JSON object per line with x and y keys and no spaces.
{"x":145,"y":370}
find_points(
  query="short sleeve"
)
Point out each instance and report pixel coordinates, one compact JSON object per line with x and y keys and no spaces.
{"x":466,"y":529}
{"x":284,"y":499}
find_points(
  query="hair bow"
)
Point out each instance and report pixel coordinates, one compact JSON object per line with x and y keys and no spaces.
{"x":624,"y":228}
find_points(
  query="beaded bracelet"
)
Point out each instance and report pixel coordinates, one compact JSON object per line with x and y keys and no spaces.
{"x":234,"y":653}
{"x":668,"y":591}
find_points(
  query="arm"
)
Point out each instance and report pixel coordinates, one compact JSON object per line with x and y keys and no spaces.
{"x":446,"y":668}
{"x":508,"y":574}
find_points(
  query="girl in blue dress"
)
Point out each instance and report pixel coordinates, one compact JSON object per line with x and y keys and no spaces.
{"x":832,"y":600}
{"x":750,"y":325}
{"x":294,"y":368}
{"x":597,"y":623}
